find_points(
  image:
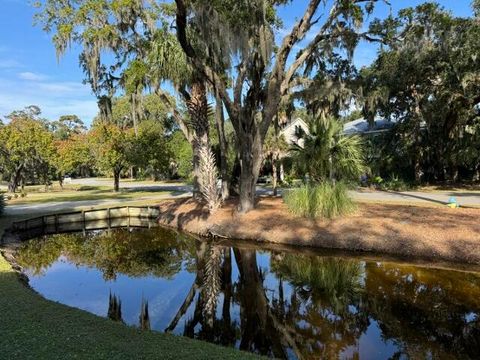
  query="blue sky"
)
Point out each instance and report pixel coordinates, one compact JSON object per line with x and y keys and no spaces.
{"x":30,"y":73}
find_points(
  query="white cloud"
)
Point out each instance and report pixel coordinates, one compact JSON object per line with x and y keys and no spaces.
{"x":9,"y":64}
{"x":54,"y":98}
{"x":32,"y":76}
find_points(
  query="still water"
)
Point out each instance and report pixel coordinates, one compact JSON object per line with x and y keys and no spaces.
{"x":284,"y":304}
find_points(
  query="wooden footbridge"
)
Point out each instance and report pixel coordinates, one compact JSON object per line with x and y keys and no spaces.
{"x":87,"y":220}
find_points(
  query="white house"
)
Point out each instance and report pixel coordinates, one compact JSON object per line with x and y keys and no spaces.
{"x":290,"y":131}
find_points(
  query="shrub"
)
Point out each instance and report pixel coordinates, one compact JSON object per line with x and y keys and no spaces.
{"x":323,"y":200}
{"x":396,"y":184}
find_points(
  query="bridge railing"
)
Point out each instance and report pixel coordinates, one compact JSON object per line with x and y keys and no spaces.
{"x":89,"y":219}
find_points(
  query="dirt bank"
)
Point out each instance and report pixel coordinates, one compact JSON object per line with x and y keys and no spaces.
{"x":417,"y":232}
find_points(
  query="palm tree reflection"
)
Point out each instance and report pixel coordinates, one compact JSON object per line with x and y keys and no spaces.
{"x":114,"y":308}
{"x":300,"y":307}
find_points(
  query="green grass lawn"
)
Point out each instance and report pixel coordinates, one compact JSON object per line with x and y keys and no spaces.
{"x":32,"y":327}
{"x":77,"y":193}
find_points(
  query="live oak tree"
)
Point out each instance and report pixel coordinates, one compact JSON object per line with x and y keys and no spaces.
{"x":234,"y":49}
{"x":427,"y":79}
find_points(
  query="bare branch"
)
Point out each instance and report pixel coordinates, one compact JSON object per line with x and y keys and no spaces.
{"x":182,"y":124}
{"x":297,"y":34}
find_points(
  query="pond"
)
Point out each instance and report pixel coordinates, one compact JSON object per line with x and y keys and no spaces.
{"x":287,"y":304}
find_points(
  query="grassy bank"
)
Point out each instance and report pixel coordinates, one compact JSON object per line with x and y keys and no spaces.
{"x":32,"y":327}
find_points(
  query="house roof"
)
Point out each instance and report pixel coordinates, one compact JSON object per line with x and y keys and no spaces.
{"x":296,"y":122}
{"x":361,"y":126}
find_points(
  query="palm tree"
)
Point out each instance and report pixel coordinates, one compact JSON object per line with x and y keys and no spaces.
{"x":167,"y":62}
{"x":326,"y":153}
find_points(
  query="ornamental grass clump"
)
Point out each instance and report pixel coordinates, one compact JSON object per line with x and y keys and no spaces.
{"x":327,"y":200}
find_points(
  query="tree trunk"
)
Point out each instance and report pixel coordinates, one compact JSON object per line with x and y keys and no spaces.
{"x":274,"y":174}
{"x":282,"y":173}
{"x":14,"y":179}
{"x":116,"y":179}
{"x":60,"y":180}
{"x":417,"y":169}
{"x":220,"y":122}
{"x":417,"y":138}
{"x":250,"y":149}
{"x":134,"y":106}
{"x":198,"y":110}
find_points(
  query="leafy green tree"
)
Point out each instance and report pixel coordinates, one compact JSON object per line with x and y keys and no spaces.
{"x":67,"y":126}
{"x":182,"y":155}
{"x":427,"y":80}
{"x":73,"y":154}
{"x":112,"y":149}
{"x":127,"y":44}
{"x":150,"y":149}
{"x":26,"y":146}
{"x":234,"y":48}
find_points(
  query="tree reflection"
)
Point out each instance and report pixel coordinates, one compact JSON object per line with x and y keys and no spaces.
{"x":134,"y":253}
{"x":299,"y":307}
{"x":428,"y":313}
{"x":144,"y":318}
{"x":114,"y":308}
{"x":323,"y":311}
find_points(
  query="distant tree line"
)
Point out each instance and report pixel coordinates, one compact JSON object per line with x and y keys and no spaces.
{"x":34,"y":150}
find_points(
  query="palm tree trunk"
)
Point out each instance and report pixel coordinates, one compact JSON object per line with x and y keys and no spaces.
{"x":198,"y":110}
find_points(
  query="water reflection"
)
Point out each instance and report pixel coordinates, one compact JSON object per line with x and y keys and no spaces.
{"x":114,"y":308}
{"x":280,"y":304}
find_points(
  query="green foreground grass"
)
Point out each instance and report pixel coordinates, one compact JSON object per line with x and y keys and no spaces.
{"x":32,"y":327}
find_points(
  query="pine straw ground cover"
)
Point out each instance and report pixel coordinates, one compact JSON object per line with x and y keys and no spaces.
{"x":413,"y":232}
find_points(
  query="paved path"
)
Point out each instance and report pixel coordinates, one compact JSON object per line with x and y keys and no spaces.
{"x":464,"y":198}
{"x":177,"y":190}
{"x":55,"y":206}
